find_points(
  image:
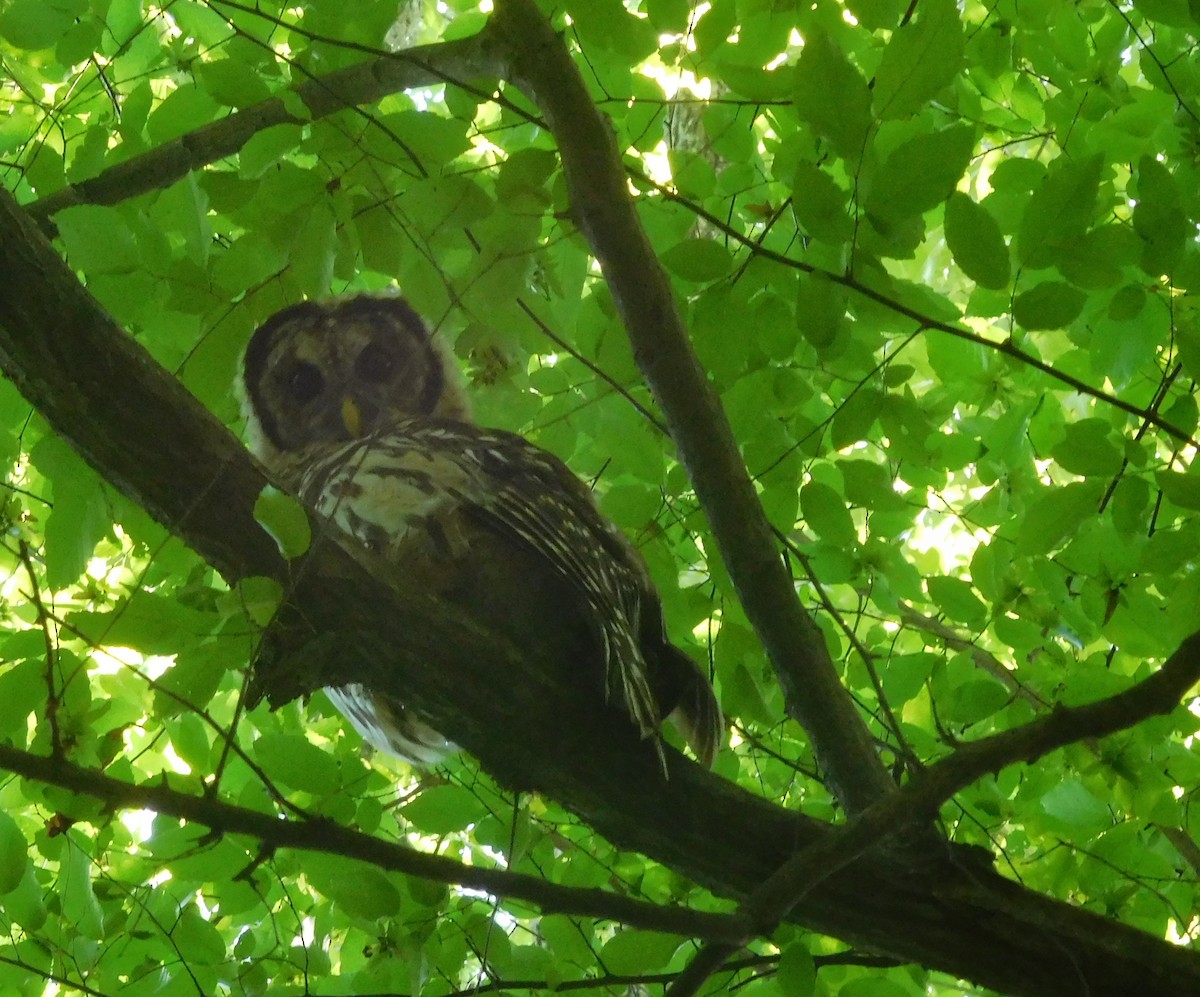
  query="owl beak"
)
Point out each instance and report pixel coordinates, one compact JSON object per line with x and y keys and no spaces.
{"x":351,"y":417}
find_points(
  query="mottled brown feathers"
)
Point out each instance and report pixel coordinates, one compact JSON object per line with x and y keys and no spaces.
{"x":360,"y":412}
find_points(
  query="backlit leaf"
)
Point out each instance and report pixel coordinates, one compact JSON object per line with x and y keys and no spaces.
{"x":1062,"y":208}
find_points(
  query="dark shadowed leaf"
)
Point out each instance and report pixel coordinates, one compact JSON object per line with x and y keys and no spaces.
{"x":975,"y":240}
{"x":921,"y":59}
{"x":832,"y":96}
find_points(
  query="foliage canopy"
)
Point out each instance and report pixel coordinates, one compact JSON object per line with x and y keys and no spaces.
{"x":936,"y":260}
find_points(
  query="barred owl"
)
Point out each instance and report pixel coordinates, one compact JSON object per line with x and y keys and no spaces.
{"x":358,"y":410}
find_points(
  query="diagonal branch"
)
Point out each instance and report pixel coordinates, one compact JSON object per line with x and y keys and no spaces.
{"x":919,"y":800}
{"x":538,"y":62}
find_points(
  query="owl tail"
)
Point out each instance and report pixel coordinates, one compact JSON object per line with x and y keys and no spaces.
{"x":688,"y":701}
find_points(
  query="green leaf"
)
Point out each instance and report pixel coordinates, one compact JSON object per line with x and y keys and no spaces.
{"x":189,"y":737}
{"x":435,"y":139}
{"x":1159,"y":217}
{"x":821,"y":205}
{"x":715,"y":26}
{"x":232,"y":82}
{"x":74,"y":887}
{"x":360,"y":889}
{"x":1183,"y":413}
{"x":14,"y":857}
{"x":74,"y":527}
{"x":1057,"y":514}
{"x":906,"y":675}
{"x":975,"y":240}
{"x":824,"y":510}
{"x":921,"y":173}
{"x":820,"y":309}
{"x":36,"y":24}
{"x":957,"y":600}
{"x":26,"y":904}
{"x":832,"y":96}
{"x":266,"y":148}
{"x":184,"y":110}
{"x":22,"y":691}
{"x":698,"y":260}
{"x":973,"y":701}
{"x":246,"y":263}
{"x":669,"y":15}
{"x":97,"y":239}
{"x":444,"y":809}
{"x":1061,"y":209}
{"x":1073,"y":804}
{"x":633,"y":951}
{"x":876,"y":14}
{"x":1089,"y":449}
{"x":198,"y":937}
{"x":295,"y":761}
{"x":1050,"y":305}
{"x":1182,"y":489}
{"x":147,"y":621}
{"x":920,"y":59}
{"x":607,"y":24}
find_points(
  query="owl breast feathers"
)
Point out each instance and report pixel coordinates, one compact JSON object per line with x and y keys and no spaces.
{"x":358,"y":410}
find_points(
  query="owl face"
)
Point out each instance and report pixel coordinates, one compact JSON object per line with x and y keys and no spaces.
{"x":331,"y":372}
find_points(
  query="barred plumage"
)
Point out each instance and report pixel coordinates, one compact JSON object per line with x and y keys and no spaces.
{"x":392,"y":461}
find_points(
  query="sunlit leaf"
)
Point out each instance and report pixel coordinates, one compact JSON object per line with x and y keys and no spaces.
{"x":360,"y":888}
{"x":297,"y":762}
{"x":443,"y":809}
{"x":13,"y":854}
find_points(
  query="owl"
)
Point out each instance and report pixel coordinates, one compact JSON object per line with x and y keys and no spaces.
{"x":359,"y":411}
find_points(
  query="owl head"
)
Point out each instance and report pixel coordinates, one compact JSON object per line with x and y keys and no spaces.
{"x":333,"y":371}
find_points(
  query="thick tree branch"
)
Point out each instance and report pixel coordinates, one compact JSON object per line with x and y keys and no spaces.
{"x":920,"y":799}
{"x":947,"y":912}
{"x":538,"y":62}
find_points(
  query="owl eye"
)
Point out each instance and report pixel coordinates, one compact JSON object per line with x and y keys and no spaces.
{"x":305,"y":382}
{"x":375,"y":364}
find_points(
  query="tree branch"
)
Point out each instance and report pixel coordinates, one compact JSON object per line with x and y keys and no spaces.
{"x":929,"y":789}
{"x":321,"y":835}
{"x":538,"y":62}
{"x":364,"y":83}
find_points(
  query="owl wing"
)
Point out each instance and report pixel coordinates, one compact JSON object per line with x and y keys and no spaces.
{"x":406,"y":486}
{"x":533,"y":497}
{"x":410,"y":488}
